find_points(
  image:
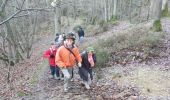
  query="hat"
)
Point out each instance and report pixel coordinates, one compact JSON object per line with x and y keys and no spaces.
{"x":70,"y":36}
{"x":90,"y":49}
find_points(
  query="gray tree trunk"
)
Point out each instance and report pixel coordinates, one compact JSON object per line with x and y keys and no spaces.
{"x":164,"y":3}
{"x":115,"y":8}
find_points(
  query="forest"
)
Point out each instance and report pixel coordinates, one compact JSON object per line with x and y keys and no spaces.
{"x":131,"y":41}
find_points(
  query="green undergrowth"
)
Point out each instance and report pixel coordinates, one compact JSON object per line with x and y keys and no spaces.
{"x":140,"y":39}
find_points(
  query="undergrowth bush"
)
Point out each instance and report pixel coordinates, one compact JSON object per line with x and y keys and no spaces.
{"x":102,"y":56}
{"x":144,"y":41}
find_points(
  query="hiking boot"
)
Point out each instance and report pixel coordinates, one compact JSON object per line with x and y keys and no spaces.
{"x":89,"y":81}
{"x":62,"y":78}
{"x":87,"y":85}
{"x":57,"y":78}
{"x":65,"y":90}
{"x":72,"y":80}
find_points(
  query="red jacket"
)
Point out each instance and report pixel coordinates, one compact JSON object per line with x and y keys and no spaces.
{"x":47,"y":53}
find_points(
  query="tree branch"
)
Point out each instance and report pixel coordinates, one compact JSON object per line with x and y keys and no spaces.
{"x":10,"y":17}
{"x":29,"y":9}
{"x":36,"y":9}
{"x":21,"y":16}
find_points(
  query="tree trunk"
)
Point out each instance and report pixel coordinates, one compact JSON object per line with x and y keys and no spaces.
{"x":165,"y":8}
{"x":115,"y":8}
{"x":57,"y":18}
{"x":105,"y":10}
{"x":157,"y":6}
{"x":164,"y":4}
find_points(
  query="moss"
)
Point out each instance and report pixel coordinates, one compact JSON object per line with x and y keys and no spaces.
{"x":165,"y":11}
{"x":157,"y":26}
{"x":21,"y":94}
{"x":113,"y":20}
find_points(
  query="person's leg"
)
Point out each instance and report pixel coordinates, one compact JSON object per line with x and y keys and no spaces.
{"x":52,"y":71}
{"x":91,"y":74}
{"x":49,"y":70}
{"x":61,"y":74}
{"x":72,"y":74}
{"x":81,"y":39}
{"x":84,"y":75}
{"x":57,"y":72}
{"x":67,"y":78}
{"x":70,"y":70}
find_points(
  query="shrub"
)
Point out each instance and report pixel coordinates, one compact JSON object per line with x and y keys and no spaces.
{"x":157,"y":26}
{"x":102,"y":57}
{"x":165,"y":12}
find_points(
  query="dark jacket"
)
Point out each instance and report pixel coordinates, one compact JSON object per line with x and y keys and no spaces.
{"x":85,"y":62}
{"x":86,"y":67}
{"x":81,"y":33}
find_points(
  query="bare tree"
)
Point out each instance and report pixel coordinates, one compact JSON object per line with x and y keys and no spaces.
{"x":17,"y":35}
{"x":156,"y":14}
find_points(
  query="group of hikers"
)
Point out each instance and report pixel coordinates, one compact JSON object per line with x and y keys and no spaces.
{"x":64,"y":55}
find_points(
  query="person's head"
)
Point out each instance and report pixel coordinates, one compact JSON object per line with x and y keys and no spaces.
{"x":63,"y":34}
{"x":90,"y":50}
{"x":53,"y":47}
{"x":57,"y":34}
{"x":69,"y":39}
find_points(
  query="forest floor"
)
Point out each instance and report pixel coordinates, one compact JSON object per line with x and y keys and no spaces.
{"x":120,"y":82}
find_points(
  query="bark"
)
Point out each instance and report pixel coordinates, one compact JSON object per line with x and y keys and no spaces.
{"x":115,"y":7}
{"x":164,"y":4}
{"x":157,"y":6}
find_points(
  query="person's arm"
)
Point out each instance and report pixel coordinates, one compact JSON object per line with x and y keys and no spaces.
{"x":46,"y":54}
{"x":77,"y":54}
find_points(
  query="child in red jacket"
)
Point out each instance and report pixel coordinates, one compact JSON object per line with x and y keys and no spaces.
{"x":50,"y":54}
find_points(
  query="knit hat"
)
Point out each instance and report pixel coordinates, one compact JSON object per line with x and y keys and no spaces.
{"x":90,"y":49}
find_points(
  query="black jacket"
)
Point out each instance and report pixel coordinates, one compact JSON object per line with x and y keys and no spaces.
{"x":85,"y":62}
{"x":81,"y":33}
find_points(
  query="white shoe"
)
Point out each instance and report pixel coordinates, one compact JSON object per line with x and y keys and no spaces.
{"x":89,"y":82}
{"x":57,"y":78}
{"x":62,"y":78}
{"x":72,"y":80}
{"x":87,"y":85}
{"x":65,"y":90}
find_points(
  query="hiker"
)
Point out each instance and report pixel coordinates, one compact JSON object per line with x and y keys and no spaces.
{"x":59,"y":42}
{"x":88,"y":62}
{"x":57,"y":36}
{"x":50,"y":54}
{"x":66,"y":57}
{"x":59,"y":39}
{"x":80,"y":34}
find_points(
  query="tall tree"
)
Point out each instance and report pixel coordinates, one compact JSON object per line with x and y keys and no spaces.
{"x":165,"y":8}
{"x":57,"y":15}
{"x":156,"y":14}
